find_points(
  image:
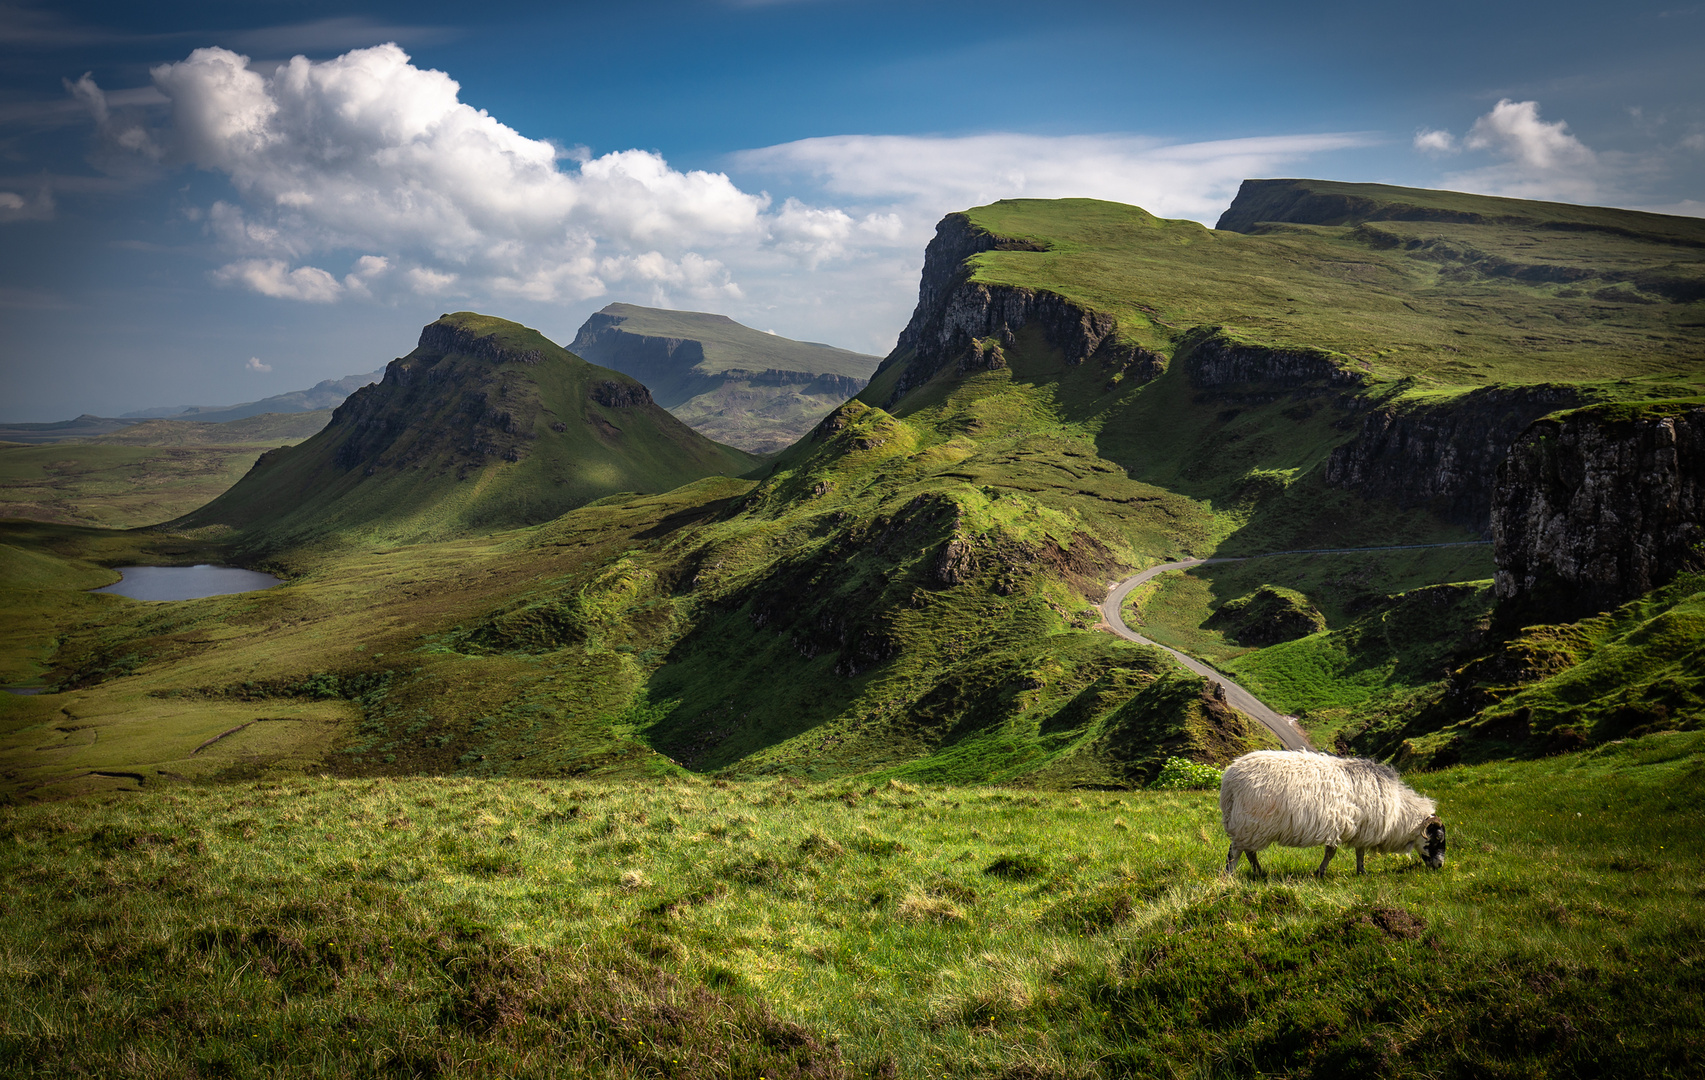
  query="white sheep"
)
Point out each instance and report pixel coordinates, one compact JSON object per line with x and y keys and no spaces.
{"x":1300,"y":799}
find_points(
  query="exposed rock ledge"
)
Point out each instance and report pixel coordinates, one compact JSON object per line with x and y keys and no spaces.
{"x":444,"y":339}
{"x":958,"y":321}
{"x":1598,"y":506}
{"x":1443,"y":457}
{"x":620,"y":395}
{"x":1216,"y":360}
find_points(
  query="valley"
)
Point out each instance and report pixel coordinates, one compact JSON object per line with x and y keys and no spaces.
{"x":832,"y":740}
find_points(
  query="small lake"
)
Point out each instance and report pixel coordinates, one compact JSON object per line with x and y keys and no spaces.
{"x":186,"y":582}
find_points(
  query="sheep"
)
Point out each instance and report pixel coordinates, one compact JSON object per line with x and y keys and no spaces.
{"x":1301,"y":799}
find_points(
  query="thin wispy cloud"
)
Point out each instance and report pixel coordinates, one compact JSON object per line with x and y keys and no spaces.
{"x":47,"y":29}
{"x":937,"y":174}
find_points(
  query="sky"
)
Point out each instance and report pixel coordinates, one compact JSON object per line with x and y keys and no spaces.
{"x":205,"y":204}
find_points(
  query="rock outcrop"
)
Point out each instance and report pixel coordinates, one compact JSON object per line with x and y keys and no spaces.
{"x":493,"y":416}
{"x":957,"y":320}
{"x":1443,"y":457}
{"x":1595,"y":507}
{"x":1216,"y":361}
{"x":738,"y":385}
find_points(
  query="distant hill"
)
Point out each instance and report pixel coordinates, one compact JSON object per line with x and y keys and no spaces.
{"x":84,"y":427}
{"x":741,"y":386}
{"x":486,"y":425}
{"x":268,"y":429}
{"x":326,"y":394}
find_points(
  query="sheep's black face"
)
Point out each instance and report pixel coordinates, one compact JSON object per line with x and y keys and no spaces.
{"x":1433,"y":843}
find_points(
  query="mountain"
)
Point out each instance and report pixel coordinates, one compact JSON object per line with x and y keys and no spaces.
{"x":912,"y":590}
{"x":485,"y":425}
{"x":326,"y":394}
{"x":747,"y":388}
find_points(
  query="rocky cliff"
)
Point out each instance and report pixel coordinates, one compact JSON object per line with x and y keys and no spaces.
{"x":1595,"y":507}
{"x":741,"y":386}
{"x":1442,"y":456}
{"x":964,"y":323}
{"x":1216,"y":361}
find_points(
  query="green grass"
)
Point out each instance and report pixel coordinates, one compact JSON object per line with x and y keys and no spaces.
{"x":266,"y":429}
{"x":906,"y":593}
{"x":1636,"y":669}
{"x":116,"y":486}
{"x":303,"y":926}
{"x":1424,"y":299}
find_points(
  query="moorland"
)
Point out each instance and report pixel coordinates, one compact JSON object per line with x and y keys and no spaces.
{"x":576,"y":740}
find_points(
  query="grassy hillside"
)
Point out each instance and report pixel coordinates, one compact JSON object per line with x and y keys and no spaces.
{"x":825,"y":770}
{"x":494,"y":426}
{"x":695,"y":929}
{"x":907,"y":592}
{"x":1572,"y":294}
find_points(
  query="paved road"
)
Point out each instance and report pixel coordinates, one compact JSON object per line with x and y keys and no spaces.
{"x":1282,"y":726}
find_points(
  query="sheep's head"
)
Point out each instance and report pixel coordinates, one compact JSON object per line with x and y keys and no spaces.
{"x":1432,"y":842}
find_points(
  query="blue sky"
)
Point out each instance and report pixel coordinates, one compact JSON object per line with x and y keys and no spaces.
{"x":188,"y":215}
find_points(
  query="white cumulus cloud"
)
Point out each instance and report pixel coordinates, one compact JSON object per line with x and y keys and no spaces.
{"x":1532,"y":158}
{"x":275,"y":278}
{"x":368,"y":151}
{"x":1514,"y":130}
{"x":255,"y":364}
{"x":368,"y":162}
{"x":1435,"y":141}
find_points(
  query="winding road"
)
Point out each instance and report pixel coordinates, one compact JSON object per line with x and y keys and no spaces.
{"x":1285,"y":728}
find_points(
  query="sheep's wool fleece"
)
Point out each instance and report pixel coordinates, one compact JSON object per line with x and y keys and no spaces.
{"x":1311,"y":800}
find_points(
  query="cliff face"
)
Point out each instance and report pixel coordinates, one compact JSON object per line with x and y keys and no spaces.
{"x":740,"y":386}
{"x":1599,"y":506}
{"x":965,"y":323}
{"x":1216,"y":362}
{"x":1442,"y":457}
{"x":665,"y":364}
{"x":493,"y":416}
{"x":1300,"y":202}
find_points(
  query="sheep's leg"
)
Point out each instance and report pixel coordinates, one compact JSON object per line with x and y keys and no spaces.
{"x":1330,"y":851}
{"x":1231,"y":860}
{"x":1258,"y":871}
{"x":1359,"y":868}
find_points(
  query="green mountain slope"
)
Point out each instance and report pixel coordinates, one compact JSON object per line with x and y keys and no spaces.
{"x":485,"y":425}
{"x":910,"y":590}
{"x":741,"y":386}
